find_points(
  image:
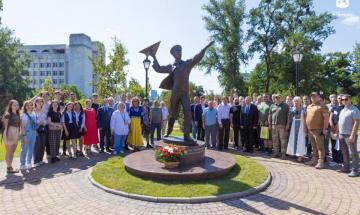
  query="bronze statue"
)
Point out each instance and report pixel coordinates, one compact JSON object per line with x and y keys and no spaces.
{"x":178,"y":82}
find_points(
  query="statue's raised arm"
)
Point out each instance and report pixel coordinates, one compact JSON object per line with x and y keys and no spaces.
{"x":197,"y":58}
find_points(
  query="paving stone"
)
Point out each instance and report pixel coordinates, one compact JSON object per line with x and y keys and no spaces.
{"x":63,"y":188}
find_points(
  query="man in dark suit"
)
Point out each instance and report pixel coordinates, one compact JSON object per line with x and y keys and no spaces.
{"x":235,"y":112}
{"x":248,"y":123}
{"x":198,"y":122}
{"x":194,"y":125}
{"x":200,"y":109}
{"x":103,"y":118}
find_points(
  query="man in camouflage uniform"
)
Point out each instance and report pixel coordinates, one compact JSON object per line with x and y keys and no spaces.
{"x":279,"y":123}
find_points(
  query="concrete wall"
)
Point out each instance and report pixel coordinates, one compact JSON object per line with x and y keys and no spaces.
{"x":80,"y":70}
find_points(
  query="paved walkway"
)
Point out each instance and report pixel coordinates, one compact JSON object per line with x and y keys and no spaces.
{"x":63,"y":188}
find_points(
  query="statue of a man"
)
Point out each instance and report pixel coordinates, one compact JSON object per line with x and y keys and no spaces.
{"x":178,"y":83}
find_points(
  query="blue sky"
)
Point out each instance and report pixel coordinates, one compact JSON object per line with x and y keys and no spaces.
{"x":139,"y":23}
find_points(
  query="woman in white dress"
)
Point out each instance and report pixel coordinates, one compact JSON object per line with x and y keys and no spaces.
{"x":296,"y":145}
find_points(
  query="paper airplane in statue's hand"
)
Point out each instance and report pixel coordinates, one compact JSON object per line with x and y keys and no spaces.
{"x":151,"y":50}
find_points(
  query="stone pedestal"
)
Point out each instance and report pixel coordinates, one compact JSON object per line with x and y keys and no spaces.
{"x":195,"y":151}
{"x":197,"y":164}
{"x":144,"y":165}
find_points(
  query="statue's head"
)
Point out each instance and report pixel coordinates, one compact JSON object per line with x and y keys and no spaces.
{"x":175,"y":51}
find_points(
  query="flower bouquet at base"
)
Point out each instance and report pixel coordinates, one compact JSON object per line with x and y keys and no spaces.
{"x":170,"y":155}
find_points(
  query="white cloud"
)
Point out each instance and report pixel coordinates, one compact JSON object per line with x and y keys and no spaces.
{"x":348,"y":18}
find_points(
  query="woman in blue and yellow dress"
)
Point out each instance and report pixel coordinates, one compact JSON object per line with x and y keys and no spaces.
{"x":136,"y":115}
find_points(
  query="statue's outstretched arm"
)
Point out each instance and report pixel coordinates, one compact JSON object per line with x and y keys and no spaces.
{"x":197,"y":58}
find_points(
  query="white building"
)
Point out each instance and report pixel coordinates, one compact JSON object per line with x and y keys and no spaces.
{"x":64,"y":64}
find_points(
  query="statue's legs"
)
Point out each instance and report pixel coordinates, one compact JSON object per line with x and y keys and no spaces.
{"x":185,"y":101}
{"x":173,"y":112}
{"x":171,"y":123}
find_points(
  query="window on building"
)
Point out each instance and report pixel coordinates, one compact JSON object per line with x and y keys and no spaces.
{"x":42,"y":65}
{"x":48,"y":65}
{"x":55,"y":73}
{"x":45,"y":50}
{"x":33,"y":51}
{"x":35,"y":65}
{"x":61,"y":73}
{"x":48,"y":73}
{"x":42,"y":73}
{"x":41,"y":81}
{"x":55,"y":81}
{"x":34,"y":82}
{"x":59,"y":51}
{"x":61,"y":81}
{"x":35,"y":73}
{"x":61,"y":64}
{"x":55,"y":64}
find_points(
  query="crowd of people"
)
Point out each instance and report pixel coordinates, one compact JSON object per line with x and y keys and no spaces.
{"x":305,"y":128}
{"x":297,"y":127}
{"x":113,"y":127}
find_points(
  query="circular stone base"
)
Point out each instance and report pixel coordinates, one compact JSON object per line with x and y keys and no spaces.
{"x":143,"y":164}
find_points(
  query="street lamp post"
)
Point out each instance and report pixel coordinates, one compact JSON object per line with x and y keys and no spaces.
{"x":297,"y":57}
{"x":146,"y":63}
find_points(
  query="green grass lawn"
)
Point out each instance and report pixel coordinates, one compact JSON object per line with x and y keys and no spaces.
{"x":2,"y":150}
{"x":246,"y":174}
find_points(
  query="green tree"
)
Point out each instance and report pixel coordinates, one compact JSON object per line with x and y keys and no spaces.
{"x":47,"y":85}
{"x":196,"y":90}
{"x":266,"y":33}
{"x":1,"y":8}
{"x":165,"y":96}
{"x":135,"y":88}
{"x":116,"y":67}
{"x":14,"y":83}
{"x":299,"y":24}
{"x":111,"y":78}
{"x":338,"y":68}
{"x":356,"y":73}
{"x":68,"y":88}
{"x":223,"y":20}
{"x":65,"y":89}
{"x":210,"y":94}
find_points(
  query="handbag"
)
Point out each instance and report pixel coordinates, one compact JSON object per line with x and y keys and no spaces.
{"x":41,"y":129}
{"x":264,"y":133}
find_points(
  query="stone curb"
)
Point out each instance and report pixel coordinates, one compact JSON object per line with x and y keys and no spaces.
{"x":202,"y":199}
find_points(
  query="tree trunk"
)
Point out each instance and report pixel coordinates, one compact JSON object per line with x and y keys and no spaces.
{"x":267,"y":76}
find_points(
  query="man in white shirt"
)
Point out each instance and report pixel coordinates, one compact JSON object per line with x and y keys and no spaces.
{"x":165,"y":114}
{"x":224,"y":124}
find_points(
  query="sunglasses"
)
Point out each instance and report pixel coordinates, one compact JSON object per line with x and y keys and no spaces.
{"x":345,"y":99}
